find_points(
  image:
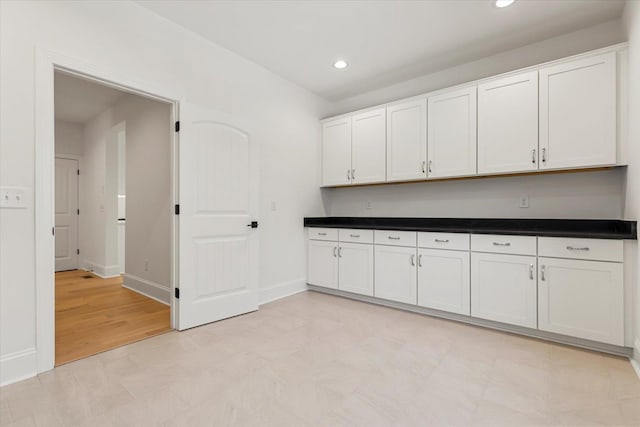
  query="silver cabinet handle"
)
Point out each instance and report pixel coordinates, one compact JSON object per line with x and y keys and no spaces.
{"x":393,"y":238}
{"x":571,"y":248}
{"x":420,"y":260}
{"x":348,"y":174}
{"x":413,"y":259}
{"x":533,"y":156}
{"x":353,"y":174}
{"x":322,"y":234}
{"x":531,"y":271}
{"x":544,"y":155}
{"x":430,"y":164}
{"x":339,"y":252}
{"x":334,"y":251}
{"x":543,"y":269}
{"x":441,"y":240}
{"x":501,"y":244}
{"x":354,"y":235}
{"x":424,"y":164}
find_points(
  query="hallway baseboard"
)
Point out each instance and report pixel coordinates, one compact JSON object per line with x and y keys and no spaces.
{"x":147,"y":288}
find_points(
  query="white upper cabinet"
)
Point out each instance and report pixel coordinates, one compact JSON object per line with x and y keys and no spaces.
{"x":368,"y":149}
{"x":407,"y":140}
{"x":508,"y":124}
{"x":578,"y":113}
{"x":336,"y":152}
{"x":452,"y":133}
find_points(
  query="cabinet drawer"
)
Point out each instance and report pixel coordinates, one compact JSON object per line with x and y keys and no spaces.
{"x":455,"y":241}
{"x":521,"y":245}
{"x":395,"y":238}
{"x":355,"y":236}
{"x":589,"y":249}
{"x":323,"y":233}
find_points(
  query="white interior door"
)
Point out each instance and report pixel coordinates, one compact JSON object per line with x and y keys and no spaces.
{"x":66,"y":232}
{"x":218,"y":267}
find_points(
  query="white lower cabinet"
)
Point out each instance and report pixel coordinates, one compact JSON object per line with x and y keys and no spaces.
{"x":582,"y":299}
{"x":443,"y":280}
{"x":355,"y":268}
{"x":395,"y":273}
{"x":322,"y":263}
{"x":503,"y":288}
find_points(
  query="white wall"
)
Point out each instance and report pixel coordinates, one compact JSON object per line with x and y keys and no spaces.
{"x":69,"y":138}
{"x":149,"y":48}
{"x":632,"y":208}
{"x":605,"y":34}
{"x":577,"y":195}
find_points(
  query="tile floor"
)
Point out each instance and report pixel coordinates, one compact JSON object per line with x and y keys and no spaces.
{"x":319,"y":360}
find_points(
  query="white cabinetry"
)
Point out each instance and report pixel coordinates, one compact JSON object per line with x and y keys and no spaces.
{"x":451,"y":129}
{"x":322,"y":263}
{"x":508,"y":124}
{"x":443,"y":280}
{"x":336,"y":152}
{"x":355,"y":271}
{"x":407,"y":140}
{"x":368,"y":149}
{"x":581,"y":297}
{"x":578,"y":113}
{"x":395,"y":273}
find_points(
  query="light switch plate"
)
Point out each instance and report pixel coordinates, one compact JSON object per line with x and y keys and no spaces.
{"x":13,"y":198}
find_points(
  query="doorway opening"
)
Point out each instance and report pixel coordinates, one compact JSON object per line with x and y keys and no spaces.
{"x":113,"y":217}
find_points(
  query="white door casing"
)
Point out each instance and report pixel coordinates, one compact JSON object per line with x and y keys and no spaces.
{"x":66,"y":220}
{"x":218,"y":266}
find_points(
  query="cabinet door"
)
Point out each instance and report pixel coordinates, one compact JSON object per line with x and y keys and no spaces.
{"x":578,"y":113}
{"x":451,"y":130}
{"x":407,"y":141}
{"x":508,"y":124}
{"x":582,"y":299}
{"x":369,"y":147}
{"x":443,"y":280}
{"x":355,"y":268}
{"x":322,"y":263}
{"x":336,"y":152}
{"x":395,"y":273}
{"x":503,"y":288}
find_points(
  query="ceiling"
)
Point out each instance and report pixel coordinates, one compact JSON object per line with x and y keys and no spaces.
{"x":78,"y":100}
{"x":384,"y":42}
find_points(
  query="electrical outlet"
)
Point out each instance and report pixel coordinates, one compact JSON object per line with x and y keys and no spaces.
{"x":369,"y":204}
{"x":524,"y":201}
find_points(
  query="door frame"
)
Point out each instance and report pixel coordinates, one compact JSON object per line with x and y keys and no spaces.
{"x":47,"y":62}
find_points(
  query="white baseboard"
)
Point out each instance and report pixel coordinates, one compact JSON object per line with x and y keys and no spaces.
{"x":635,"y":359}
{"x":102,"y":271}
{"x":282,"y":290}
{"x":18,"y":366}
{"x":147,"y":288}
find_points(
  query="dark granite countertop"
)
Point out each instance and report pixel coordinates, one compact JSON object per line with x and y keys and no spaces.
{"x":585,"y":228}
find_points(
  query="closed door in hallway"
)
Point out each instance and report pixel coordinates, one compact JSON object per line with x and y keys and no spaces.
{"x":66,"y":197}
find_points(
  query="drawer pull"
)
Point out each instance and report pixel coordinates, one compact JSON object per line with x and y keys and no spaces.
{"x":571,"y":248}
{"x":322,"y":234}
{"x":393,"y":238}
{"x":354,"y":235}
{"x":441,"y":240}
{"x":501,"y":244}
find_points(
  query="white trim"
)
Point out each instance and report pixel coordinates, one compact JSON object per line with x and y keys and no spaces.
{"x":102,"y":271}
{"x":635,"y":357}
{"x":47,"y":62}
{"x":18,"y":366}
{"x":281,"y":290}
{"x":147,"y":288}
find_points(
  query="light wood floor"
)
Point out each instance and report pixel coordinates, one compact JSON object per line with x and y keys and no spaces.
{"x":94,"y":315}
{"x":317,"y":360}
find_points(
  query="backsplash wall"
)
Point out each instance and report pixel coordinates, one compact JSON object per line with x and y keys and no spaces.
{"x":591,"y":194}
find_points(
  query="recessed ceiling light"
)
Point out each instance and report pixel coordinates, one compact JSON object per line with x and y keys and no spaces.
{"x":504,"y":3}
{"x":340,"y":64}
